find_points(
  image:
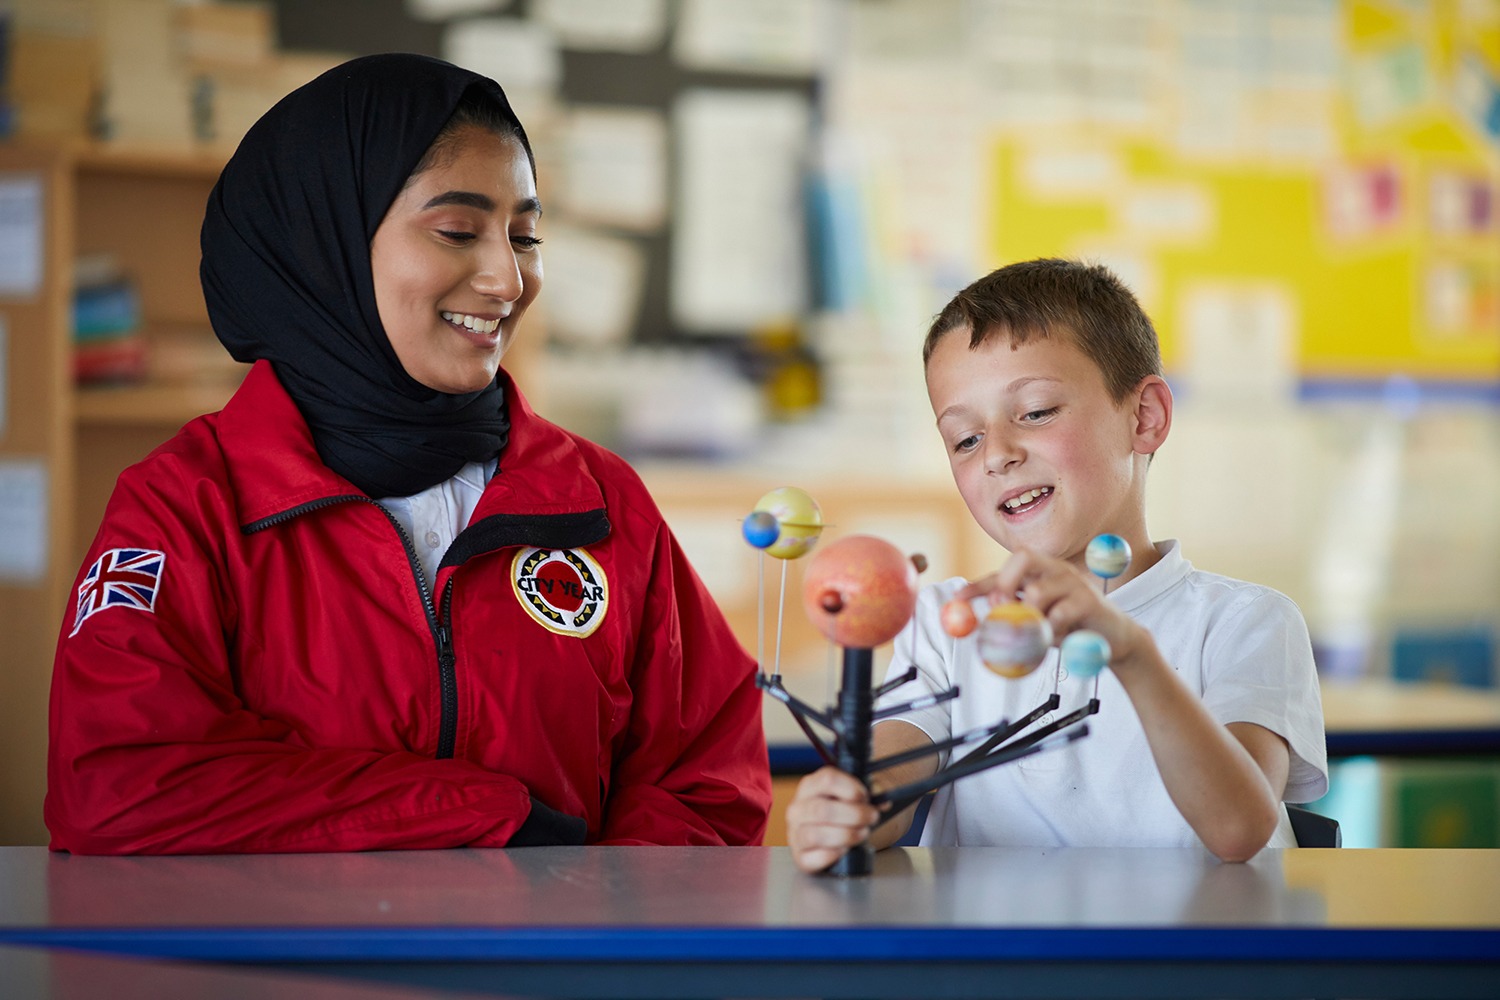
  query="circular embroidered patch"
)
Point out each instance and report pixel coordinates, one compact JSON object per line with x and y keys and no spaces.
{"x":563,"y":589}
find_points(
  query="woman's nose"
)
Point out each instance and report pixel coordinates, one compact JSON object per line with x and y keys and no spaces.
{"x":499,"y":275}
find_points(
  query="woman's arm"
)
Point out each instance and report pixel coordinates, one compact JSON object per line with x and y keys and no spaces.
{"x":153,"y":750}
{"x":694,"y":768}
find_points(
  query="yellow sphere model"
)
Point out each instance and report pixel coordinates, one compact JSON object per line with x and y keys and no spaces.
{"x":799,"y":517}
{"x":1013,"y":639}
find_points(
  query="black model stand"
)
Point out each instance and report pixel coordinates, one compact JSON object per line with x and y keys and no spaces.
{"x":850,"y":725}
{"x":856,"y":709}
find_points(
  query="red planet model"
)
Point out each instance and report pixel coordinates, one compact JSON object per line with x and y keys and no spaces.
{"x":860,"y":591}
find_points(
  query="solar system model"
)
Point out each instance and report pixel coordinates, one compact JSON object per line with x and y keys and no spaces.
{"x":859,"y":592}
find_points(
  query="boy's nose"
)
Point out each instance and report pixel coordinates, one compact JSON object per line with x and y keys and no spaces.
{"x":1000,"y":453}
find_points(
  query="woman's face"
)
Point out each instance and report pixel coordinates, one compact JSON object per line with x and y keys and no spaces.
{"x":455,"y":261}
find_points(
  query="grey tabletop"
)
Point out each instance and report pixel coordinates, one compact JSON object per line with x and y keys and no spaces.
{"x":574,"y":921}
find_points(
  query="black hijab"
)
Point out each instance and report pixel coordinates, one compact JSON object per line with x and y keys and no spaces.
{"x":286,"y":268}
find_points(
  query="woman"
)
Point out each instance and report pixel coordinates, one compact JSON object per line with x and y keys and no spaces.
{"x":376,"y":602}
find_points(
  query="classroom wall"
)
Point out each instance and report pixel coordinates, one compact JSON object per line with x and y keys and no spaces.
{"x":754,"y":208}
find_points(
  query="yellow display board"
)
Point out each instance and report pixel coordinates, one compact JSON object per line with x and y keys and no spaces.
{"x":1347,"y":205}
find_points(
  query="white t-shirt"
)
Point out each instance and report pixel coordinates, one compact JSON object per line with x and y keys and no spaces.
{"x":1242,"y":648}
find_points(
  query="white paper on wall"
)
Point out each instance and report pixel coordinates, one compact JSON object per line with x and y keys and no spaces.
{"x":614,"y":167}
{"x":1240,"y":342}
{"x":521,"y":56}
{"x":4,"y":378}
{"x":23,"y":521}
{"x":739,"y":253}
{"x":446,"y":10}
{"x":759,"y":36}
{"x":1169,"y":212}
{"x":21,"y":235}
{"x":1072,"y":173}
{"x":605,"y":25}
{"x":593,"y":286}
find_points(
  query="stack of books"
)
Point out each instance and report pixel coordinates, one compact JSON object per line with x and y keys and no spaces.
{"x":107,"y":343}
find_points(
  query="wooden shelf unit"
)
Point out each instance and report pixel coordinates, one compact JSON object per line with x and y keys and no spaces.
{"x":144,"y":206}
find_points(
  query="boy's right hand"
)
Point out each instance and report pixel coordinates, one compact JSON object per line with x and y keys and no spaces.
{"x":830,"y":813}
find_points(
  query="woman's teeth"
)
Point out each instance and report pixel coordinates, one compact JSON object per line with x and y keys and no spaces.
{"x":472,"y":322}
{"x":1026,"y":498}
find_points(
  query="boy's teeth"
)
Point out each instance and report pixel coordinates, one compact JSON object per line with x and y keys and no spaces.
{"x":1025,"y":498}
{"x":471,"y":322}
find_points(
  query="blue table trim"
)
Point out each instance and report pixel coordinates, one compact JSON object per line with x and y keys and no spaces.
{"x":899,"y":945}
{"x":793,"y":759}
{"x":1414,"y":743}
{"x":1400,"y":391}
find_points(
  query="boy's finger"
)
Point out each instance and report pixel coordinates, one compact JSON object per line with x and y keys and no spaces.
{"x":1020,"y":572}
{"x":977,"y":588}
{"x":820,"y":810}
{"x":816,"y":847}
{"x":1069,"y":613}
{"x":826,"y":835}
{"x":817,"y":859}
{"x":831,"y":783}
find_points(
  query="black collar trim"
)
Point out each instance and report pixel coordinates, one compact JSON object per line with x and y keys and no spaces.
{"x":543,"y":531}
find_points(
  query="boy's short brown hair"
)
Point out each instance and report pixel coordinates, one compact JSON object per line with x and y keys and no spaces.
{"x":1040,"y":298}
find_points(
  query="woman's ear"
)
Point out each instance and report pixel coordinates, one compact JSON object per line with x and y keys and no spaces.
{"x":1153,"y":414}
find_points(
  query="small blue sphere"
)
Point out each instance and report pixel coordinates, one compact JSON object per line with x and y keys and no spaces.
{"x":1107,"y":556}
{"x":1085,"y":653}
{"x":760,"y":529}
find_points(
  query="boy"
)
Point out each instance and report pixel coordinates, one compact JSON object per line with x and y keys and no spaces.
{"x":1045,"y":377}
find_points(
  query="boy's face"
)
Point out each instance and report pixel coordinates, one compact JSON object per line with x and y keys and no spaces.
{"x":1040,"y":452}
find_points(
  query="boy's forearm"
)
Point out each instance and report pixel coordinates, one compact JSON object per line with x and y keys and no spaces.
{"x":1213,"y":780}
{"x":891,"y":737}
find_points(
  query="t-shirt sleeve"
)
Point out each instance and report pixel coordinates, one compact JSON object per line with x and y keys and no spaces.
{"x":1258,"y":667}
{"x":923,"y":644}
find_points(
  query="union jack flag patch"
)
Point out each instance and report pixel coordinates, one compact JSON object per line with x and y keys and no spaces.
{"x":122,"y":578}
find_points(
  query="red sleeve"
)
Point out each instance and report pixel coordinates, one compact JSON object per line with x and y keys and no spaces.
{"x":693,"y":768}
{"x":153,"y":752}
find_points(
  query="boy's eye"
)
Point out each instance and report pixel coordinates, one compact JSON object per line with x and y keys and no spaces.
{"x":1033,"y":416}
{"x":967,"y":444}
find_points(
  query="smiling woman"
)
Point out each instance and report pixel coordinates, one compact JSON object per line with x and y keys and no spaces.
{"x":456,"y":261}
{"x":376,"y":602}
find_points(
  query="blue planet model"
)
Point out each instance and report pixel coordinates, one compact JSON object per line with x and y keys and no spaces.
{"x":1107,"y":556}
{"x":1085,"y":653}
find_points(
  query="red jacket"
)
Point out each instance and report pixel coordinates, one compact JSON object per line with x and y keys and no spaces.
{"x":254,"y":663}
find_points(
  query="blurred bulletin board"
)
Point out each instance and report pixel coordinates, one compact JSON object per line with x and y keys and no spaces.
{"x":607,"y":90}
{"x":1295,"y":189}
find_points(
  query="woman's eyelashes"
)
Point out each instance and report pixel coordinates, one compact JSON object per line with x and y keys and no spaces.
{"x":463,"y":238}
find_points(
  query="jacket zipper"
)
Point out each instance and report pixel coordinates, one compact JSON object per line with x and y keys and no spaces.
{"x":447,"y":676}
{"x":442,"y":633}
{"x":442,"y":638}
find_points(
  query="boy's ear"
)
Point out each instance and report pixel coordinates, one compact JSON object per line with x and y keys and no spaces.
{"x":1153,"y":414}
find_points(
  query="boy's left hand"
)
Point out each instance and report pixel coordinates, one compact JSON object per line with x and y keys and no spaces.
{"x":1070,"y":598}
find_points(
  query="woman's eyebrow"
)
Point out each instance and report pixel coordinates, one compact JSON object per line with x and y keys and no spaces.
{"x":467,"y":199}
{"x":483,"y":202}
